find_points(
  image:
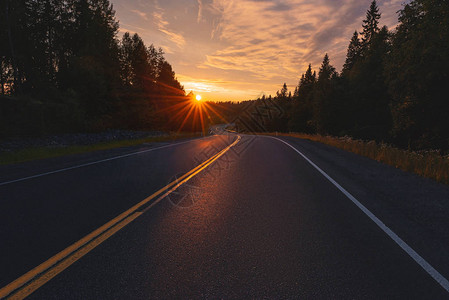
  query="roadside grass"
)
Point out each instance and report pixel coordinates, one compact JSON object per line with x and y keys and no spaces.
{"x":429,"y":164}
{"x":28,"y":154}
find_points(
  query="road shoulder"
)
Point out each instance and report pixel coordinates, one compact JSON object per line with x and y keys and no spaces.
{"x":415,"y":208}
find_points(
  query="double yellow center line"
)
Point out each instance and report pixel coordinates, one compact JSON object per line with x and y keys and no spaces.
{"x":34,"y":279}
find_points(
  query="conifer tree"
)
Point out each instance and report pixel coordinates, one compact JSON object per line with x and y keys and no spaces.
{"x":283,"y":93}
{"x":353,"y":54}
{"x":307,"y":78}
{"x":301,"y":116}
{"x":418,"y":76}
{"x":323,"y":104}
{"x":327,"y":71}
{"x":370,"y":25}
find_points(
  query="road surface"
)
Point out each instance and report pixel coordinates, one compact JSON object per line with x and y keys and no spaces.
{"x":225,"y":216}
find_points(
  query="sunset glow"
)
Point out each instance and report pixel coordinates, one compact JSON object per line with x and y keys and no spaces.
{"x":194,"y":114}
{"x":240,"y":50}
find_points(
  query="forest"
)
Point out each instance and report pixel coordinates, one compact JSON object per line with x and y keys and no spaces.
{"x":392,"y":88}
{"x":63,"y":68}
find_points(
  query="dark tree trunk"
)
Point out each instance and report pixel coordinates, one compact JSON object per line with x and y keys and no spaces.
{"x":11,"y":45}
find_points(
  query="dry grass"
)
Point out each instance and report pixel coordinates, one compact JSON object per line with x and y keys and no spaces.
{"x":426,"y":163}
{"x":47,"y":152}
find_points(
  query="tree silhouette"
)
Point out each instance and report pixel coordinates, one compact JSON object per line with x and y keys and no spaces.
{"x":370,"y":25}
{"x":324,"y":104}
{"x":64,"y":58}
{"x":353,"y":54}
{"x":418,"y":77}
{"x":302,"y":110}
{"x":283,"y":93}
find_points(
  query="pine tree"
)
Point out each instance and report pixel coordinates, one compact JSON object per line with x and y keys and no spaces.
{"x":284,"y":90}
{"x":14,"y":19}
{"x":156,"y":58}
{"x":324,"y":104}
{"x":126,"y":65}
{"x":418,"y":76}
{"x":301,"y":115}
{"x":370,"y":25}
{"x":4,"y":51}
{"x":327,"y":71}
{"x":141,"y":65}
{"x":167,"y":80}
{"x":370,"y":96}
{"x":296,"y":92}
{"x":306,"y":83}
{"x":307,"y":78}
{"x":283,"y":93}
{"x":44,"y":41}
{"x":353,"y":55}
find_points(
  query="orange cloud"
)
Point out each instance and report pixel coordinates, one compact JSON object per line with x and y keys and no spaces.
{"x":250,"y":45}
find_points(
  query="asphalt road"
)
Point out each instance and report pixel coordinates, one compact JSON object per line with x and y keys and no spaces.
{"x":258,"y":222}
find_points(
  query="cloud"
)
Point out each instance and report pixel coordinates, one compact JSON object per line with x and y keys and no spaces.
{"x":249,"y":44}
{"x":124,"y":26}
{"x":278,"y":39}
{"x":163,"y":26}
{"x":176,"y":38}
{"x":200,"y":11}
{"x":140,"y":13}
{"x":279,"y":7}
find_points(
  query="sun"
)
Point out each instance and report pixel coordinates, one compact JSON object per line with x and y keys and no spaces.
{"x":198,"y":97}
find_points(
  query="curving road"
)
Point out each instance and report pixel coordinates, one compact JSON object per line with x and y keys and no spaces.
{"x":252,"y":217}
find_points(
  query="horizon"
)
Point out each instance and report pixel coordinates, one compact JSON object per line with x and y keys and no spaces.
{"x":224,"y":52}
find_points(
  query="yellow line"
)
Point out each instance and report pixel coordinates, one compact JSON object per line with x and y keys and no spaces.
{"x":192,"y":174}
{"x":70,"y":259}
{"x":61,"y":255}
{"x":25,"y":278}
{"x":34,"y":279}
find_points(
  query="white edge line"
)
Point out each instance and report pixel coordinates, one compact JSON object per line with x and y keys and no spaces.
{"x":412,"y":253}
{"x":95,"y":162}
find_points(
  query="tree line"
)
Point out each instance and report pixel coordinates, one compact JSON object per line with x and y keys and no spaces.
{"x":392,"y":88}
{"x":63,"y":67}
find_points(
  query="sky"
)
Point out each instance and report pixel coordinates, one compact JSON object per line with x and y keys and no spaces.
{"x":233,"y":50}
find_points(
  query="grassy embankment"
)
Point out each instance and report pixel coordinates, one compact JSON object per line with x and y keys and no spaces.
{"x":426,"y":164}
{"x":47,"y":152}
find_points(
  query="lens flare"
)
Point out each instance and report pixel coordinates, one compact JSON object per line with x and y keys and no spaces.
{"x":198,"y":97}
